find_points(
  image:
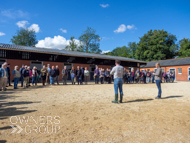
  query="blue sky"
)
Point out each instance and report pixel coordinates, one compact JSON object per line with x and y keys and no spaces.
{"x":116,"y":21}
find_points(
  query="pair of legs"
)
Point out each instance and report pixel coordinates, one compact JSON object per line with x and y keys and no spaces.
{"x":158,"y":83}
{"x":3,"y":83}
{"x":72,"y":79}
{"x":26,"y":82}
{"x":52,"y":80}
{"x":97,"y":79}
{"x":118,"y":82}
{"x":57,"y":79}
{"x":34,"y":80}
{"x":102,"y":80}
{"x":79,"y":80}
{"x":16,"y":82}
{"x":85,"y":79}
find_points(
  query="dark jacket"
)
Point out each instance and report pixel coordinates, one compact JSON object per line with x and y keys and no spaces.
{"x":25,"y":73}
{"x":21,"y":70}
{"x":57,"y":72}
{"x":52,"y":73}
{"x":8,"y":71}
{"x":78,"y":72}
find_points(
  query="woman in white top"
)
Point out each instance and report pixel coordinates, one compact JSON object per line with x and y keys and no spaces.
{"x":86,"y":74}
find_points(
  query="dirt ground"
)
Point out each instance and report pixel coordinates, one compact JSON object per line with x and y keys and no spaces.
{"x":74,"y":113}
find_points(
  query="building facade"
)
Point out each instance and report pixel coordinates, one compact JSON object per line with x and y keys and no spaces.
{"x":32,"y":56}
{"x":181,"y":67}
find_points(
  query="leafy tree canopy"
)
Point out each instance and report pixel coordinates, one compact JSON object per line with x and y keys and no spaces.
{"x":184,"y":49}
{"x":156,"y":45}
{"x":25,"y":37}
{"x":90,"y":41}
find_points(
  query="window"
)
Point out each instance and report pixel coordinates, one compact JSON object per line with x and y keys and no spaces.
{"x":25,"y":55}
{"x":3,"y":53}
{"x":162,"y":70}
{"x":179,"y":71}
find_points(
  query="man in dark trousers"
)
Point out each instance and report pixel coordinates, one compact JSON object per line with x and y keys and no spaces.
{"x":118,"y":72}
{"x":82,"y":76}
{"x":57,"y":74}
{"x":9,"y":74}
{"x":79,"y":75}
{"x":21,"y":77}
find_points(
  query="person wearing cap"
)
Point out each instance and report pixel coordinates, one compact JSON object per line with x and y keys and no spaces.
{"x":21,"y":77}
{"x":118,"y":72}
{"x":25,"y":74}
{"x":3,"y":77}
{"x":16,"y":75}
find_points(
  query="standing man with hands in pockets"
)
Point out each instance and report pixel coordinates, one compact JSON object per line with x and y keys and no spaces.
{"x":118,"y":72}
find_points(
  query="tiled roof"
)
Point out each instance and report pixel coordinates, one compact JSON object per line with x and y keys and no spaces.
{"x":64,"y":52}
{"x":170,"y":62}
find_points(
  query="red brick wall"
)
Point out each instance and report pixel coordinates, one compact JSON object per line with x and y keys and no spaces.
{"x":179,"y":77}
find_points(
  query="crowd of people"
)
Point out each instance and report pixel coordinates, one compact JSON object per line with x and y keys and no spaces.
{"x":50,"y":75}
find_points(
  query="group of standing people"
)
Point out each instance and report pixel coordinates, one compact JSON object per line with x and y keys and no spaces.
{"x":102,"y":75}
{"x":138,"y":76}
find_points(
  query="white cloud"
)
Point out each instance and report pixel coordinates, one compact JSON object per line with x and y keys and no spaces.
{"x":131,"y":27}
{"x":34,"y":27}
{"x":14,"y":14}
{"x":103,"y":52}
{"x":122,"y":28}
{"x":22,"y":24}
{"x":104,"y":5}
{"x":63,"y":30}
{"x":1,"y":33}
{"x":58,"y":42}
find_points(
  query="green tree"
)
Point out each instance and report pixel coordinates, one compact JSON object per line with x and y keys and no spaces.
{"x":184,"y":49}
{"x":121,"y":52}
{"x":156,"y":45}
{"x":25,"y":37}
{"x":133,"y":47}
{"x":90,"y":41}
{"x":72,"y":45}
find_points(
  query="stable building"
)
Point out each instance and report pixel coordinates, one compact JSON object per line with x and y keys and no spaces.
{"x":181,"y":67}
{"x":33,"y":56}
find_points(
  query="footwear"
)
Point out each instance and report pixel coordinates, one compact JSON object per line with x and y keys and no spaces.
{"x":116,"y":99}
{"x":121,"y":98}
{"x":157,"y":97}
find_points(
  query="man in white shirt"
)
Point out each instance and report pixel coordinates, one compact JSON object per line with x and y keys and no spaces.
{"x":118,"y":72}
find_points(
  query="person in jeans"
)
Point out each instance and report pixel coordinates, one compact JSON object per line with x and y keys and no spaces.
{"x":16,"y":75}
{"x":148,"y":77}
{"x":132,"y":76}
{"x":118,"y":71}
{"x":25,"y":74}
{"x":34,"y":76}
{"x":79,"y":75}
{"x":82,"y":70}
{"x":152,"y":75}
{"x":3,"y":77}
{"x":96,"y":75}
{"x":72,"y":73}
{"x":86,"y":75}
{"x":57,"y":74}
{"x":30,"y":75}
{"x":52,"y":75}
{"x":21,"y":76}
{"x":102,"y":76}
{"x":158,"y":78}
